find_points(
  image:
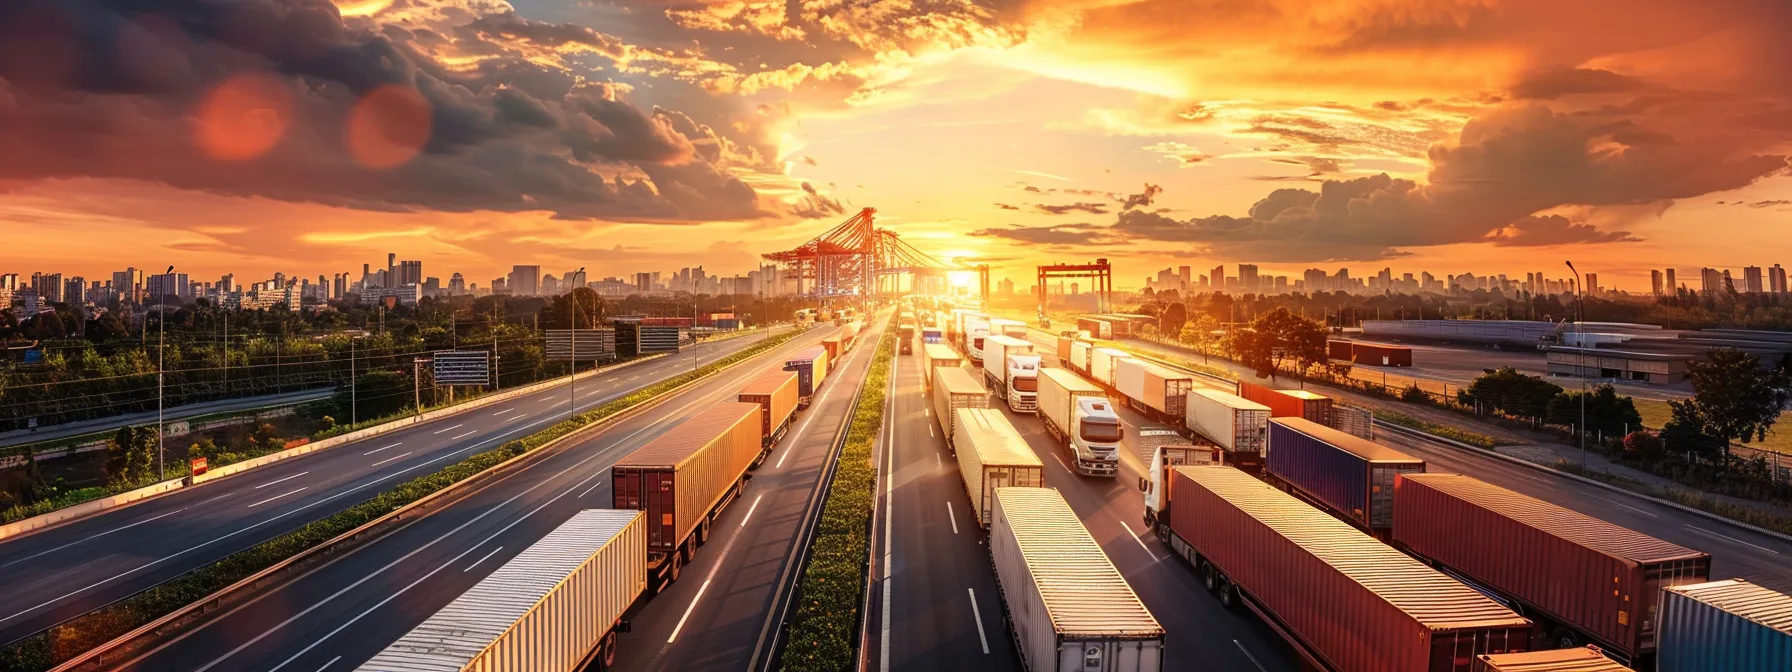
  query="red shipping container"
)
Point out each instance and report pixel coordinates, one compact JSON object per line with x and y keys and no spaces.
{"x":679,"y":477}
{"x":832,"y":343}
{"x":1350,"y":601}
{"x":1338,"y":349}
{"x":1370,"y":354}
{"x":1289,"y":403}
{"x":1599,"y":578}
{"x":776,"y":394}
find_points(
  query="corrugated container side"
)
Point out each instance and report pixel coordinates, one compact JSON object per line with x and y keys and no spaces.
{"x":545,"y":609}
{"x":1337,"y":349}
{"x":1064,"y":348}
{"x":1064,"y":597}
{"x":1289,"y":403}
{"x":1234,"y":423}
{"x":991,"y":454}
{"x":810,"y":365}
{"x":824,"y":365}
{"x":1080,"y":352}
{"x":1058,"y":390}
{"x":1350,"y":475}
{"x":680,"y":476}
{"x":954,"y":389}
{"x":1105,"y":364}
{"x":1352,"y":601}
{"x":1129,"y":378}
{"x":1167,"y":391}
{"x":1370,"y":354}
{"x":1730,"y":625}
{"x":1583,"y":659}
{"x":776,"y":393}
{"x":1600,"y":578}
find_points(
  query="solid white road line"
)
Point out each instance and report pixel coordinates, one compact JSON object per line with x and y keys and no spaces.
{"x":978,"y":615}
{"x":952,"y":516}
{"x":275,"y":497}
{"x":462,"y":436}
{"x":395,"y":445}
{"x":507,"y":410}
{"x":328,"y":664}
{"x":483,"y":559}
{"x":687,"y":612}
{"x":1061,"y":463}
{"x":1627,"y":506}
{"x":1730,"y":538}
{"x":1248,"y":656}
{"x":283,"y":480}
{"x":930,"y":429}
{"x":448,"y":429}
{"x":751,"y":509}
{"x":92,"y":537}
{"x":1141,"y":540}
{"x":394,"y":457}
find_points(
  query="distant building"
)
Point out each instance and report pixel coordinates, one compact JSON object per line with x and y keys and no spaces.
{"x":1710,"y":281}
{"x":1655,"y":282}
{"x":1776,"y":279}
{"x":524,"y":280}
{"x":1673,"y":285}
{"x":1751,"y":280}
{"x":406,"y":295}
{"x":457,"y":285}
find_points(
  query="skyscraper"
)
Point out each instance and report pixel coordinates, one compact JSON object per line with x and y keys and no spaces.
{"x":1751,"y":280}
{"x":1247,"y":278}
{"x":524,"y":280}
{"x":1673,"y":285}
{"x":1592,"y":284}
{"x":48,"y":286}
{"x":1776,"y":279}
{"x":1216,"y":279}
{"x":1655,"y":282}
{"x":409,"y":273}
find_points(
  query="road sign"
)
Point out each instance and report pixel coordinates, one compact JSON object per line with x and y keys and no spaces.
{"x":593,"y":345}
{"x":463,"y":367}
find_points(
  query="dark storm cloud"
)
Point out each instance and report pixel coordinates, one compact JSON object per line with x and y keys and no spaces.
{"x":1554,"y":230}
{"x":1060,"y":234}
{"x":1142,"y":199}
{"x":1558,"y":82}
{"x":110,"y":88}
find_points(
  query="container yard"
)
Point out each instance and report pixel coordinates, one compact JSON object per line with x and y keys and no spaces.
{"x":1237,"y":425}
{"x":1729,"y":625}
{"x":954,"y":389}
{"x":992,"y":455}
{"x":776,"y":394}
{"x":1069,"y":608}
{"x":1595,"y":582}
{"x":1157,"y":392}
{"x":683,"y":477}
{"x":1347,"y":475}
{"x":1075,"y":413}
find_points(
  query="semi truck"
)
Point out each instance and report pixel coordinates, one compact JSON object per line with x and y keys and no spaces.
{"x":931,"y":335}
{"x":954,"y":389}
{"x":1068,"y":607}
{"x":1343,"y":600}
{"x":1081,"y":354}
{"x":1096,"y":327}
{"x":1289,"y":403}
{"x":811,"y":367}
{"x":684,"y":478}
{"x":1006,"y":327}
{"x":1585,"y":580}
{"x":1154,"y":391}
{"x":976,"y":328}
{"x":1163,"y":448}
{"x":993,"y":456}
{"x":936,"y":355}
{"x":1730,"y":625}
{"x":555,"y":607}
{"x":776,"y":394}
{"x":1012,"y":372}
{"x":832,"y":345}
{"x":1349,"y":476}
{"x":1104,"y":365}
{"x":905,"y":336}
{"x":1077,"y":415}
{"x":1237,"y":425}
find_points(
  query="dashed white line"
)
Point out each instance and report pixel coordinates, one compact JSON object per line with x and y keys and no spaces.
{"x":328,"y":664}
{"x":593,"y":486}
{"x":1248,"y":656}
{"x":751,"y":509}
{"x":1627,"y":506}
{"x":930,"y":430}
{"x":687,"y":611}
{"x":936,"y":461}
{"x":394,"y":457}
{"x":94,"y":536}
{"x":1061,"y":464}
{"x":1730,"y":538}
{"x":1141,"y":540}
{"x":507,"y":410}
{"x":275,"y":497}
{"x":462,"y":436}
{"x":283,"y":480}
{"x":448,"y":429}
{"x":483,"y":559}
{"x":978,"y":615}
{"x":952,"y":516}
{"x":395,"y":445}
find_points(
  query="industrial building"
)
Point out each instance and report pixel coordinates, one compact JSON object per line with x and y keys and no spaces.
{"x":1641,"y":353}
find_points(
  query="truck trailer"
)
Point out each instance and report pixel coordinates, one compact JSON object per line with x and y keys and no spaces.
{"x":776,"y":394}
{"x":1729,"y":625}
{"x":1081,"y":354}
{"x":811,"y":367}
{"x":936,"y":355}
{"x":1155,"y":391}
{"x":993,"y":455}
{"x":1006,"y":327}
{"x":1068,"y":607}
{"x":976,"y":329}
{"x":555,"y":607}
{"x":1582,"y":659}
{"x":954,"y":389}
{"x":1012,"y":372}
{"x":1289,"y":403}
{"x":1588,"y":581}
{"x":1237,"y":425}
{"x":905,"y":336}
{"x":1104,"y":366}
{"x":1097,"y":327}
{"x":684,"y":478}
{"x":1349,"y":476}
{"x":1077,"y":415}
{"x":1346,"y":602}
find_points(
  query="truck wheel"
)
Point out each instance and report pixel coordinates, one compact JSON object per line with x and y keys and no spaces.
{"x":1228,"y":594}
{"x":1563,"y":638}
{"x":703,"y":532}
{"x":676,"y":568}
{"x":1209,"y":578}
{"x":688,"y":552}
{"x":606,"y":652}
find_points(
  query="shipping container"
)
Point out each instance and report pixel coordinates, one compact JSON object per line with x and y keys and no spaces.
{"x":1346,"y":601}
{"x":832,"y":345}
{"x":1081,"y":352}
{"x":905,"y":336}
{"x":1009,"y":362}
{"x":1005,"y":327}
{"x":1159,"y":393}
{"x":1337,"y":350}
{"x":1069,"y":608}
{"x":1599,"y":583}
{"x":811,"y":367}
{"x":1096,"y":327}
{"x":1289,"y":403}
{"x":935,"y":355}
{"x":1350,"y":476}
{"x":1064,"y":350}
{"x":1729,"y":625}
{"x":991,"y":454}
{"x":1374,"y":354}
{"x":685,"y":476}
{"x":552,"y":608}
{"x":1237,"y":425}
{"x":953,"y":389}
{"x":776,"y":394}
{"x":1580,"y":659}
{"x":850,"y":333}
{"x":1104,"y":365}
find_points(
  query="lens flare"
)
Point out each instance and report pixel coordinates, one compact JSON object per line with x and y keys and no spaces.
{"x":243,"y":117}
{"x":388,"y":127}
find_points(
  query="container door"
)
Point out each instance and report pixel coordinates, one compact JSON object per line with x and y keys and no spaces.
{"x":662,"y":511}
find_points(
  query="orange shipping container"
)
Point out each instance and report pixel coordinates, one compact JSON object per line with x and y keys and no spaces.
{"x":832,"y":343}
{"x":1289,"y":403}
{"x":681,"y":476}
{"x":776,"y":394}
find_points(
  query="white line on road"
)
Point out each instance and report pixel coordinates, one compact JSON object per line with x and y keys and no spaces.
{"x":1627,"y":506}
{"x":687,"y":611}
{"x":952,"y":516}
{"x":593,"y":487}
{"x":462,"y":436}
{"x":545,"y":398}
{"x":930,"y":430}
{"x":488,"y":556}
{"x":1730,"y":538}
{"x":1141,"y":540}
{"x":1061,"y":464}
{"x":328,"y":664}
{"x":92,"y":537}
{"x":448,"y":429}
{"x":936,"y":462}
{"x":1248,"y":656}
{"x":751,"y":509}
{"x":275,"y":497}
{"x":283,"y":480}
{"x":395,"y":445}
{"x":394,"y":457}
{"x":978,"y":615}
{"x":507,"y":410}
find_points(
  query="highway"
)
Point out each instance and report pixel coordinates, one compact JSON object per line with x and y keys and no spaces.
{"x":55,"y":574}
{"x":81,"y":427}
{"x":345,"y":611}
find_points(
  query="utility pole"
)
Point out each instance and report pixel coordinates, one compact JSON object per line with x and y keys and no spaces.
{"x":161,"y":372}
{"x":353,"y":402}
{"x":572,"y":381}
{"x":1580,"y":360}
{"x":417,"y":386}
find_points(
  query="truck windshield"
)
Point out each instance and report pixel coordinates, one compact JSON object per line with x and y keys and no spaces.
{"x":1101,"y":431}
{"x":1026,"y":384}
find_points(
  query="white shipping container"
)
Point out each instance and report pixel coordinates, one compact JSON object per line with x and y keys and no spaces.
{"x":991,"y":455}
{"x":544,"y":610}
{"x":1129,"y":378}
{"x":996,"y":350}
{"x":954,"y":389}
{"x":1079,"y":356}
{"x":1070,"y":609}
{"x":934,"y":355}
{"x":1103,"y":365}
{"x":1058,"y":391}
{"x":1235,"y":423}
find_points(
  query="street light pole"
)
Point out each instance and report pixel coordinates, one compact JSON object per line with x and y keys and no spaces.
{"x":161,"y":372}
{"x":354,"y":410}
{"x":572,"y":381}
{"x":1580,"y":360}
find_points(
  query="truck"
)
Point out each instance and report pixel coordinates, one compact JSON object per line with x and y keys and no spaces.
{"x":931,"y":335}
{"x":994,"y":456}
{"x":849,"y":334}
{"x":1012,"y":372}
{"x":1005,"y":327}
{"x":1158,"y":393}
{"x":1097,"y":327}
{"x":934,"y":356}
{"x":954,"y":389}
{"x":776,"y":394}
{"x":905,"y":336}
{"x":1730,"y":625}
{"x":1077,"y":415}
{"x":811,"y":367}
{"x":684,"y":478}
{"x":554,"y":607}
{"x":1104,"y":364}
{"x":976,"y":328}
{"x":1235,"y":424}
{"x":1343,"y":600}
{"x":1082,"y":353}
{"x":1585,"y":580}
{"x":1583,"y":659}
{"x":1349,"y":476}
{"x":1289,"y":403}
{"x":832,"y":345}
{"x":1068,"y":607}
{"x":1165,"y":448}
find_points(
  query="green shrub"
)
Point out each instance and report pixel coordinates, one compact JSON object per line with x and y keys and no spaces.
{"x":1446,"y":431}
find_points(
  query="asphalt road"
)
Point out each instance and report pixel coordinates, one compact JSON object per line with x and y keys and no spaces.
{"x":56,"y":574}
{"x":342,"y":613}
{"x":170,"y":414}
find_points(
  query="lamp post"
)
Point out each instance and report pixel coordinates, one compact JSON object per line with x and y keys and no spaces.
{"x":572,"y":381}
{"x":161,"y":370}
{"x":354,"y":411}
{"x":1580,"y":360}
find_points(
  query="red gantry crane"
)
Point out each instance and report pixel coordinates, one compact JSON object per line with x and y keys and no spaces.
{"x":853,"y":259}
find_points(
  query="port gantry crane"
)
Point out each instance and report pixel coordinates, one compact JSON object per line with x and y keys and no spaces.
{"x":854,"y":258}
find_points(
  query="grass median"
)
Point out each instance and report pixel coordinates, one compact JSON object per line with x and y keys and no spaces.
{"x":826,"y":622}
{"x":61,"y":642}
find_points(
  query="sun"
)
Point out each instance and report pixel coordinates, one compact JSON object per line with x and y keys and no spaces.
{"x":961,"y":279}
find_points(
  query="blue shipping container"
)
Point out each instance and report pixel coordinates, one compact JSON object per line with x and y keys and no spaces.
{"x":1729,"y":625}
{"x":1353,"y":477}
{"x":803,"y":363}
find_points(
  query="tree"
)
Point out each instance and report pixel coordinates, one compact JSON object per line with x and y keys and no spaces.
{"x":377,"y":394}
{"x":36,"y":487}
{"x":1642,"y":444}
{"x":1510,"y":392}
{"x":1606,"y":412}
{"x":1198,"y":332}
{"x":131,"y":455}
{"x":591,"y":310}
{"x":1689,"y":431}
{"x":1737,"y":397}
{"x":1276,"y":338}
{"x":1170,"y":321}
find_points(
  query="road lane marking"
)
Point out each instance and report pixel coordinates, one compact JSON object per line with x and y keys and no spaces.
{"x":930,"y":430}
{"x":395,"y":445}
{"x":488,"y":556}
{"x":448,"y":429}
{"x":687,"y":611}
{"x":1248,"y":656}
{"x":507,"y":410}
{"x":394,"y":457}
{"x":588,"y":490}
{"x":1141,"y":540}
{"x":462,"y":436}
{"x":94,"y":536}
{"x":283,"y":480}
{"x":889,"y":448}
{"x":1061,"y":464}
{"x":1730,"y":538}
{"x":751,"y":509}
{"x":328,"y":664}
{"x":1627,"y":506}
{"x":275,"y":497}
{"x":545,"y":398}
{"x":952,"y":516}
{"x":978,"y":615}
{"x":936,"y":462}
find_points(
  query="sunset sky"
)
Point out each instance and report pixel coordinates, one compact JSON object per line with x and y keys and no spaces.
{"x":255,"y":136}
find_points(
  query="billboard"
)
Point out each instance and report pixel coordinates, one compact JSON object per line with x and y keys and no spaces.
{"x":592,"y":345}
{"x":462,"y":367}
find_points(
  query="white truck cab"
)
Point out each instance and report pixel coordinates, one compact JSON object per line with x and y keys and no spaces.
{"x":1023,"y":383}
{"x":1095,"y":436}
{"x":1167,"y":448}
